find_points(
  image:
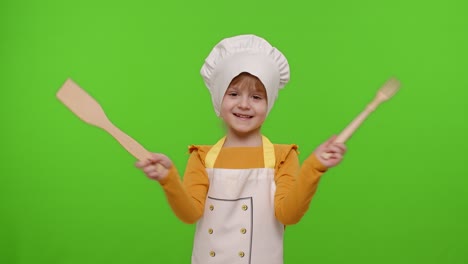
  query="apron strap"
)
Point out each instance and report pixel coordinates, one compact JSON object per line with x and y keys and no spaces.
{"x":213,"y":153}
{"x":268,"y":153}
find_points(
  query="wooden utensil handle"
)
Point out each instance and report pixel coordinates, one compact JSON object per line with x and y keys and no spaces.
{"x":131,"y":145}
{"x":351,"y":128}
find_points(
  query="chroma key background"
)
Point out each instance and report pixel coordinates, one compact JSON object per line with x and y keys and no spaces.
{"x":69,"y":193}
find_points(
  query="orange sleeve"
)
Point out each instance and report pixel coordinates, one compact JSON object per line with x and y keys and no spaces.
{"x":295,"y":185}
{"x":187,"y":198}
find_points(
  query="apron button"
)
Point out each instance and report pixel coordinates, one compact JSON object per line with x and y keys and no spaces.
{"x":241,"y":254}
{"x":211,"y":207}
{"x":210,"y":231}
{"x":243,"y":230}
{"x":245,"y":207}
{"x":212,"y":253}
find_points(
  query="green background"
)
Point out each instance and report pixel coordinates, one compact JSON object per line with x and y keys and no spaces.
{"x":69,"y":193}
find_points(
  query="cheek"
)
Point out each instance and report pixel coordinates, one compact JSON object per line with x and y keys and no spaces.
{"x":224,"y":108}
{"x":262,"y":108}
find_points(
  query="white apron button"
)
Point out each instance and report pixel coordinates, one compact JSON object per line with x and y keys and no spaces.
{"x":212,"y":253}
{"x":243,"y":230}
{"x":241,"y":254}
{"x":245,"y":207}
{"x":210,"y":231}
{"x":211,"y":207}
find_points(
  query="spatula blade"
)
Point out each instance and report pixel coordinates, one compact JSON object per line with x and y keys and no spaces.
{"x":82,"y":104}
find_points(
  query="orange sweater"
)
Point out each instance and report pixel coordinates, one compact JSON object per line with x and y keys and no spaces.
{"x":295,"y":184}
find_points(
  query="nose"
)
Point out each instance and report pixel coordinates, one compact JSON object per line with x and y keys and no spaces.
{"x":244,"y":102}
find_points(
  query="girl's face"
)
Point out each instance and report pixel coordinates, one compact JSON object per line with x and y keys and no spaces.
{"x":244,"y":105}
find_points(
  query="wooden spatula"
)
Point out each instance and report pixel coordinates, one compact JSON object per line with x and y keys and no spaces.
{"x":89,"y":110}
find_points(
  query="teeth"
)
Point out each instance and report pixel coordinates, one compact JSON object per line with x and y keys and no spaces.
{"x":243,"y":116}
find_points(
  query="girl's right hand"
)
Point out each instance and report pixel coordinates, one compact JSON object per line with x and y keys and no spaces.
{"x":156,"y":167}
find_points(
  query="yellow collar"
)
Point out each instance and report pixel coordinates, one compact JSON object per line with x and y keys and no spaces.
{"x":268,"y":153}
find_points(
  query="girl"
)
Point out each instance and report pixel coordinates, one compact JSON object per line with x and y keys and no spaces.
{"x":243,"y":190}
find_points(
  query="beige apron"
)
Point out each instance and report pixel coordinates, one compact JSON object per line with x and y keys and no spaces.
{"x":239,"y":223}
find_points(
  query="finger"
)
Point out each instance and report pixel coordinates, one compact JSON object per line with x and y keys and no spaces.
{"x":166,"y":163}
{"x":161,"y":159}
{"x":323,"y":148}
{"x":334,"y":149}
{"x":154,"y":157}
{"x":334,"y":159}
{"x":341,"y":146}
{"x":325,"y":155}
{"x":330,"y":140}
{"x":149,"y":169}
{"x":154,"y":175}
{"x":337,"y":156}
{"x":142,"y":163}
{"x":157,"y":158}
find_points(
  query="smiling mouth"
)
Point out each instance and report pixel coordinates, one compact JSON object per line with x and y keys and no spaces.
{"x":242,"y":116}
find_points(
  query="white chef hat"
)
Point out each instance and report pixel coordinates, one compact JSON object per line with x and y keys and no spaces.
{"x":244,"y":53}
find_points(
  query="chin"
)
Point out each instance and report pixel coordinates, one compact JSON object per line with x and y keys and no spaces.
{"x":246,"y":132}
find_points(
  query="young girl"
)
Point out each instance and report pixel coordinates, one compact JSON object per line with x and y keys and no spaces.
{"x":243,"y":190}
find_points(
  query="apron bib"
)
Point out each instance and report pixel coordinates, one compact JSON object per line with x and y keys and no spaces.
{"x":239,"y":223}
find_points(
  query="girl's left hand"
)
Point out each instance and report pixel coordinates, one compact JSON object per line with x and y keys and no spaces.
{"x":336,"y":150}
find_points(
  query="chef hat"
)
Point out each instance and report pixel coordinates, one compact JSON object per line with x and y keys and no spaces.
{"x":244,"y":53}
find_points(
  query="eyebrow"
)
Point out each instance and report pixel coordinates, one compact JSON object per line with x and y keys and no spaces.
{"x":255,"y":89}
{"x":259,"y":90}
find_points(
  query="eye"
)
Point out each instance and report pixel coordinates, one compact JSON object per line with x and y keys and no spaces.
{"x":232,"y":94}
{"x":257,"y":97}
